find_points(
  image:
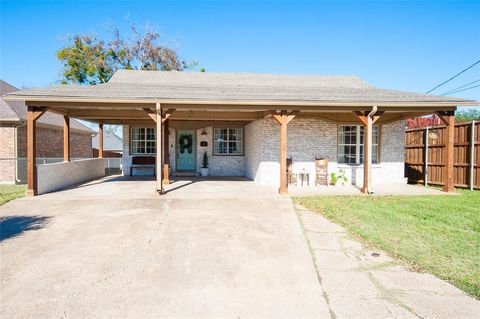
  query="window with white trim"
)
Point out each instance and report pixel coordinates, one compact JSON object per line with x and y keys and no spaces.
{"x":142,"y":140}
{"x":228,"y":141}
{"x":350,"y":144}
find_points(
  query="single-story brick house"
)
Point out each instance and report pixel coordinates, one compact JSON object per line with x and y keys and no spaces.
{"x":13,"y":138}
{"x":250,"y":124}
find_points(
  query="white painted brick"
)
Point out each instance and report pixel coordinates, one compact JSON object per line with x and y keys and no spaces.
{"x":307,"y":139}
{"x":55,"y":176}
{"x":218,"y":165}
{"x":310,"y":138}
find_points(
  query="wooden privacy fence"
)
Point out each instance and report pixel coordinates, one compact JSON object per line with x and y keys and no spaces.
{"x":425,"y":155}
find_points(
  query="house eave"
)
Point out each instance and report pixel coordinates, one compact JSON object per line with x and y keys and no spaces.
{"x":246,"y":105}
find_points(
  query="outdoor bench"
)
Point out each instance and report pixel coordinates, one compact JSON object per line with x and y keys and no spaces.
{"x":143,"y":162}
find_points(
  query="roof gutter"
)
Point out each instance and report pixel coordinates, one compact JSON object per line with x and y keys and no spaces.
{"x":31,"y":100}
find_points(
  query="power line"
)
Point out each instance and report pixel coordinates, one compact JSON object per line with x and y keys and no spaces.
{"x":460,"y":87}
{"x":453,"y":77}
{"x":469,"y":88}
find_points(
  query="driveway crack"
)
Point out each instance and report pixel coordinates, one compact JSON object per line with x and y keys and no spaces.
{"x":312,"y":256}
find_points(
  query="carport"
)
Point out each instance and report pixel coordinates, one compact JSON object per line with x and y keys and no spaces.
{"x":137,"y":97}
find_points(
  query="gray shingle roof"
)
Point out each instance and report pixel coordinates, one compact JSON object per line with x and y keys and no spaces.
{"x":111,"y":142}
{"x":191,"y":86}
{"x":17,"y":111}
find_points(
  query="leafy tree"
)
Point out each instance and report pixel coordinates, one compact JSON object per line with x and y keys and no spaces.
{"x":88,"y":60}
{"x":467,"y":115}
{"x":85,"y":61}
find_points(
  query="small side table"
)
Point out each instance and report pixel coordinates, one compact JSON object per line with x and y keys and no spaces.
{"x":304,"y":177}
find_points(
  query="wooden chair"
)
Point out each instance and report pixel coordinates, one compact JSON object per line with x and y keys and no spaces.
{"x":291,"y":178}
{"x":321,"y":170}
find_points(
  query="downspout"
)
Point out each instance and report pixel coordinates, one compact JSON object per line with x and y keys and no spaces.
{"x":370,"y":140}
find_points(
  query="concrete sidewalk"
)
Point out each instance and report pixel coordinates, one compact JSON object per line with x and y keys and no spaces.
{"x":359,"y":282}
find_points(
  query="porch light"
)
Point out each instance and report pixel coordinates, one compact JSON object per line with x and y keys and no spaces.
{"x":204,"y":132}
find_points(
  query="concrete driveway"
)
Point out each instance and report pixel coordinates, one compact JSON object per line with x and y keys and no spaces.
{"x":224,"y":248}
{"x":116,"y":249}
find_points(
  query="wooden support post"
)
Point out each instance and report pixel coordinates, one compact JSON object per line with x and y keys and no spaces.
{"x":426,"y":157}
{"x":367,"y":155}
{"x":159,"y":166}
{"x":31,"y":153}
{"x":100,"y":140}
{"x":166,"y":146}
{"x":450,"y":139}
{"x":66,"y":138}
{"x":283,"y":155}
{"x":448,"y":118}
{"x":33,"y":114}
{"x":283,"y":119}
{"x":368,"y":118}
{"x":472,"y":156}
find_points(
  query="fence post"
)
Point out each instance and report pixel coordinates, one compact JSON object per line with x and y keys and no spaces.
{"x":426,"y":158}
{"x":472,"y":155}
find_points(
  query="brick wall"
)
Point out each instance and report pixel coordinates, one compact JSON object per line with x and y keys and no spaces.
{"x":7,"y":153}
{"x":49,"y":144}
{"x":309,"y":138}
{"x":218,"y":165}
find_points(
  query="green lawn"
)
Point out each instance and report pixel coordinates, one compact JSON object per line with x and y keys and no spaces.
{"x":439,"y":234}
{"x":10,"y":192}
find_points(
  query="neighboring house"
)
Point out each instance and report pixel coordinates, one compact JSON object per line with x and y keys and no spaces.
{"x":250,"y":124}
{"x":112,"y":145}
{"x":13,"y":141}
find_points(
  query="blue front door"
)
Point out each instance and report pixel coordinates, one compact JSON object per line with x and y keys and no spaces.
{"x":186,"y":154}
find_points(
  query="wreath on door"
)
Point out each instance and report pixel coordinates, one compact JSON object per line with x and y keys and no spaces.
{"x":185,"y":143}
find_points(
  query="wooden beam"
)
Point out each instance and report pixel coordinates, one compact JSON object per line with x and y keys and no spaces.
{"x":368,"y":118}
{"x":367,"y":155}
{"x":33,"y":114}
{"x":283,"y":118}
{"x":100,"y":140}
{"x":448,"y":118}
{"x":166,"y":148}
{"x":167,"y":114}
{"x":443,"y":117}
{"x":291,"y":116}
{"x":159,"y":159}
{"x":66,"y":138}
{"x":377,"y":115}
{"x":152,"y":114}
{"x":361,"y":116}
{"x":31,"y":152}
{"x":38,"y":112}
{"x":283,"y":152}
{"x":278,"y":118}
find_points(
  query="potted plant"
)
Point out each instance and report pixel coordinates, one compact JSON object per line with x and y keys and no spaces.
{"x":338,"y":177}
{"x":204,"y":169}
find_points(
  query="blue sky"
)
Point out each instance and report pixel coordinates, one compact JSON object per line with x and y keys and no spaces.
{"x":400,"y":45}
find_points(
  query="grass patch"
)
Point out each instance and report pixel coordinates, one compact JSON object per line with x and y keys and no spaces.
{"x":439,"y":234}
{"x":10,"y":192}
